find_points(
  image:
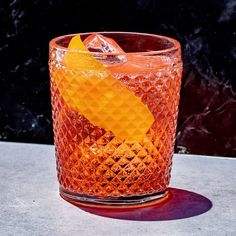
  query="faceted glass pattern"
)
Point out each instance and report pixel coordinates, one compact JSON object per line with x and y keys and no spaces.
{"x":94,"y":162}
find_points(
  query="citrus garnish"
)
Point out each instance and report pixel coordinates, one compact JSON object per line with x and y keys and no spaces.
{"x":88,"y":87}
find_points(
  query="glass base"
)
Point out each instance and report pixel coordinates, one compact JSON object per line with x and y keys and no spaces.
{"x":110,"y":202}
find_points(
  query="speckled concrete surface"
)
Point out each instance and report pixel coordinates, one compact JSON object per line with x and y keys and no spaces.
{"x":204,"y":200}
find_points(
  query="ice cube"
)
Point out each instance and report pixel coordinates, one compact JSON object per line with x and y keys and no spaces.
{"x":101,"y":44}
{"x":139,"y":64}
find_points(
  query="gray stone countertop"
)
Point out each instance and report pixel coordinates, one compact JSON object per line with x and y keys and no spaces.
{"x":203,"y":199}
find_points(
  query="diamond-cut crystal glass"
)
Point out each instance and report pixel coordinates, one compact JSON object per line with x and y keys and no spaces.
{"x":117,"y":150}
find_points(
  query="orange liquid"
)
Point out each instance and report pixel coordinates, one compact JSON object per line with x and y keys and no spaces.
{"x":95,"y":162}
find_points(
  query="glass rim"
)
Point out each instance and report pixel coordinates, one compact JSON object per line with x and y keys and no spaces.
{"x":176,"y":45}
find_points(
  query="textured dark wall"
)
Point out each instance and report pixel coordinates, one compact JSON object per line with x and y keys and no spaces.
{"x":206,"y":30}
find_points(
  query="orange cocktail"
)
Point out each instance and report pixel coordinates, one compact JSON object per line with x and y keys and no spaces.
{"x":115,"y":103}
